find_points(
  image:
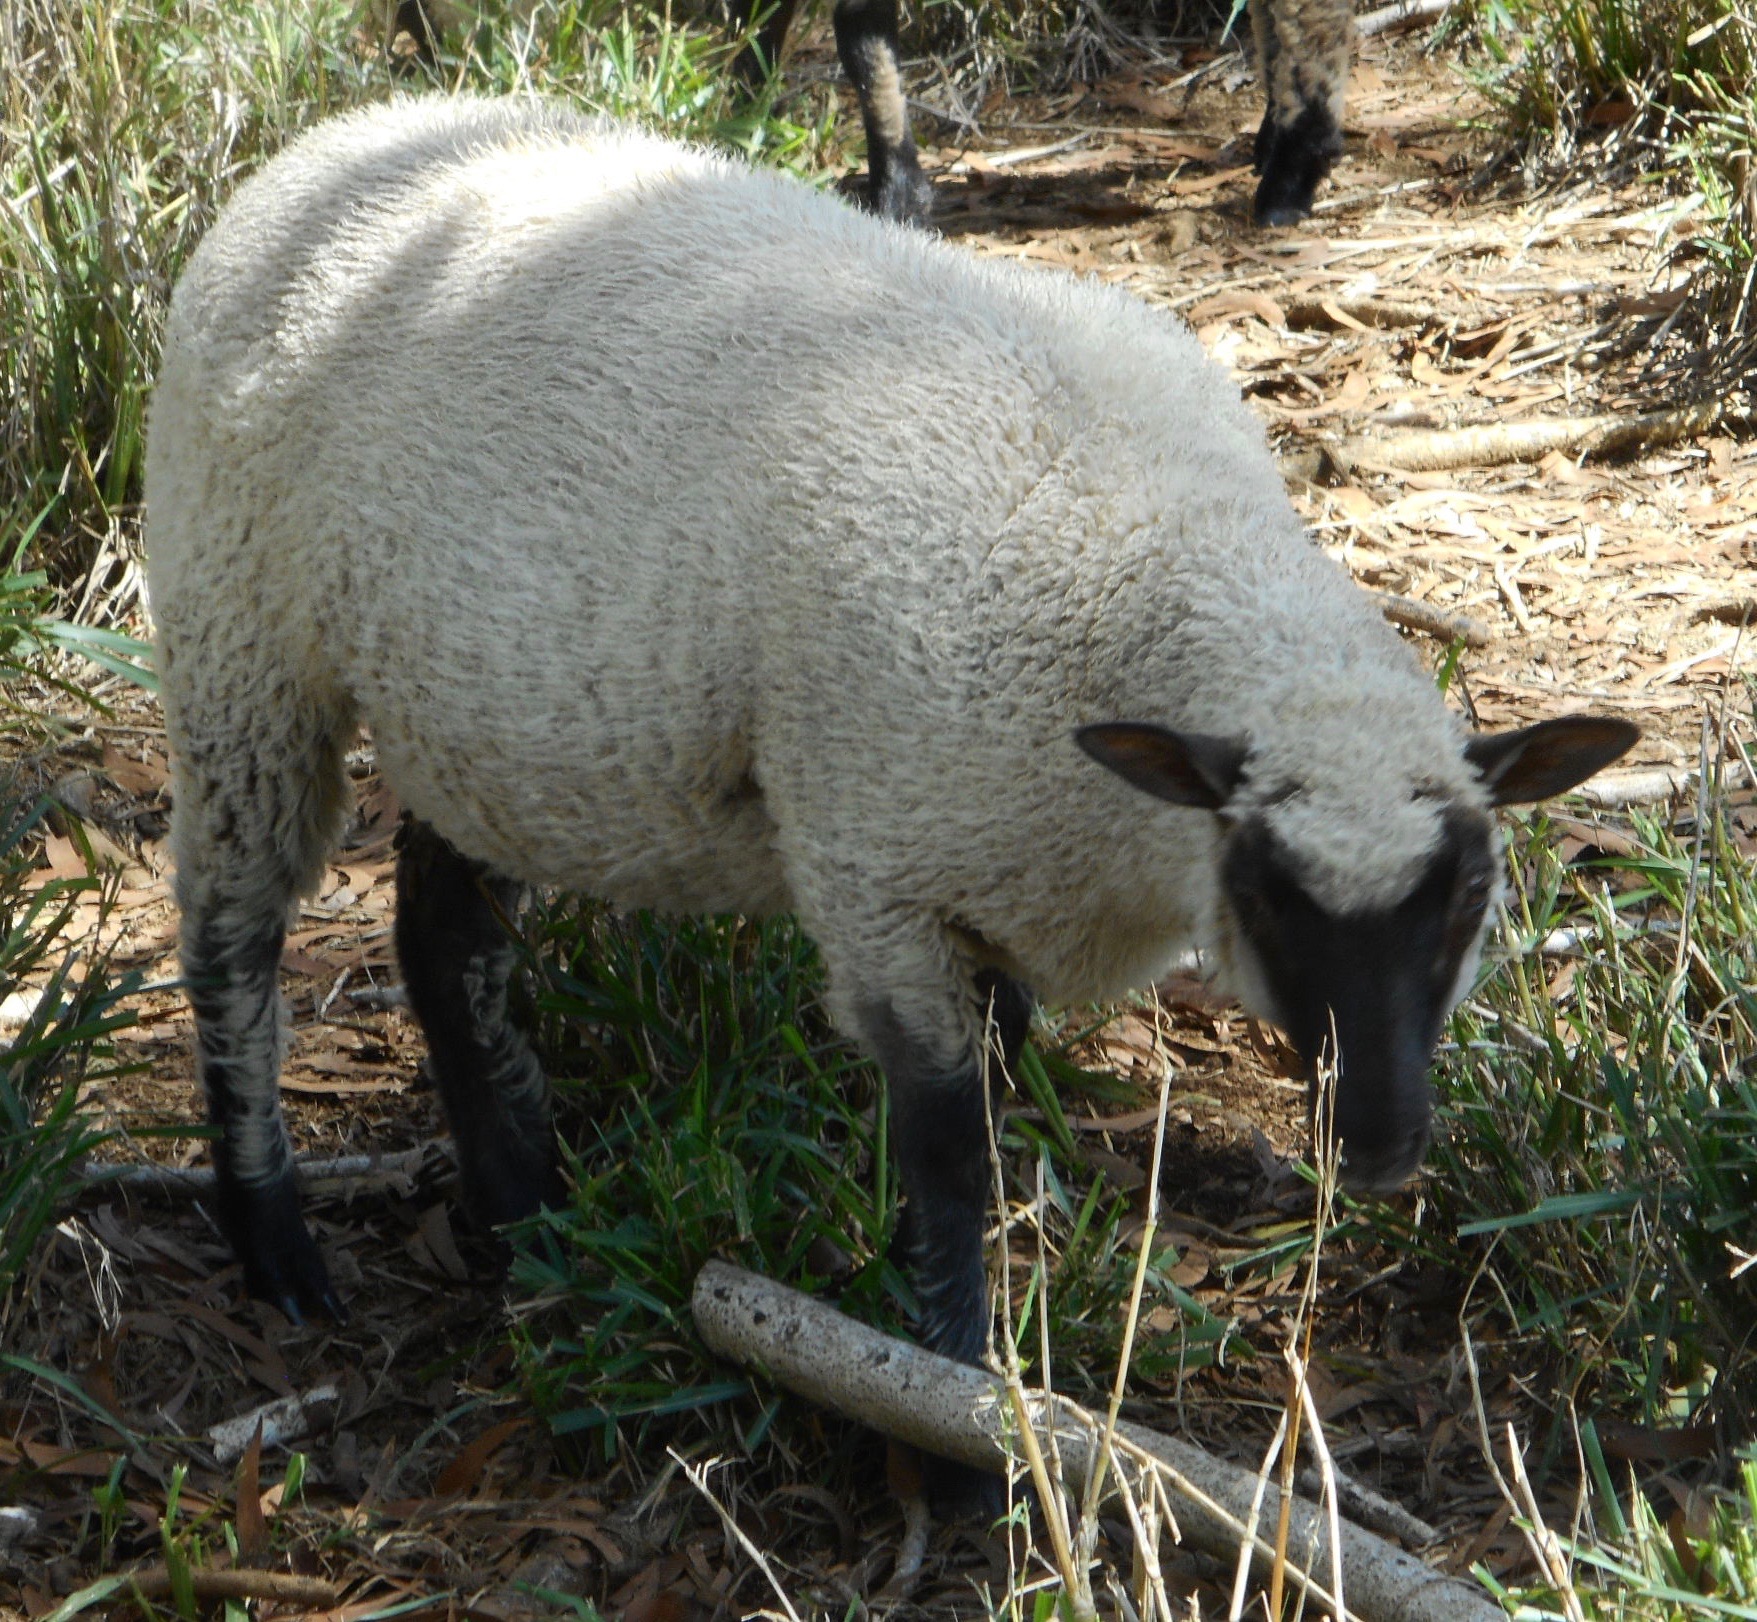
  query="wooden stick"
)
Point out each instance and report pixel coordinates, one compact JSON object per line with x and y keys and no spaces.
{"x":1337,"y":310}
{"x":1493,"y":444}
{"x":1403,"y":14}
{"x":966,"y":1414}
{"x":364,"y":1171}
{"x":1444,"y":623}
{"x":286,"y":1419}
{"x":241,"y":1583}
{"x":1649,"y":785}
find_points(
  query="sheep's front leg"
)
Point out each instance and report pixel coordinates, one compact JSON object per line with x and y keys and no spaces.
{"x":939,"y":1124}
{"x":457,"y":958}
{"x":866,"y":40}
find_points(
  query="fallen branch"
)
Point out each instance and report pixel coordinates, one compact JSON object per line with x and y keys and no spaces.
{"x":362,"y":1171}
{"x":967,"y":1414}
{"x":1650,"y":785}
{"x":1403,"y":14}
{"x":1493,"y":444}
{"x":286,"y":1419}
{"x":241,"y":1583}
{"x":1443,"y":623}
{"x":1373,"y":1510}
{"x":1337,"y":310}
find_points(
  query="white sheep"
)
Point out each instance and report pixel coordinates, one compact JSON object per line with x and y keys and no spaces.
{"x":686,"y":537}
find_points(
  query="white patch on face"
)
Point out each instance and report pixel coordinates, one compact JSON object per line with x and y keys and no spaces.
{"x":1465,"y":978}
{"x":1354,"y":854}
{"x":1240,"y":971}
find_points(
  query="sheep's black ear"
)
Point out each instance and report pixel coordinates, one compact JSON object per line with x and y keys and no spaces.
{"x":1549,"y":758}
{"x":1186,"y":768}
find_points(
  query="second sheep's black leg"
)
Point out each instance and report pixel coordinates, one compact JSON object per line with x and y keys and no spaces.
{"x":866,"y":40}
{"x":457,"y":958}
{"x":1303,"y":49}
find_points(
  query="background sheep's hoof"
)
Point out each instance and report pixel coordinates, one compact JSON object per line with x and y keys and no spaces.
{"x":903,"y":194}
{"x":1293,"y":160}
{"x":282,"y":1264}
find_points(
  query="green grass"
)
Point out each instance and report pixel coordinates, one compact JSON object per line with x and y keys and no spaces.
{"x":1595,"y":1178}
{"x":1601,"y":1144}
{"x":1673,"y":82}
{"x":60,"y":1047}
{"x":125,"y":123}
{"x":715,"y":1112}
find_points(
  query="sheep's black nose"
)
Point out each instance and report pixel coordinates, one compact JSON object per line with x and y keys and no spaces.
{"x":1382,"y":1168}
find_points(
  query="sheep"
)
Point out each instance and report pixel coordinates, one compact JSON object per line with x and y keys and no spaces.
{"x":686,"y":537}
{"x":1302,"y":50}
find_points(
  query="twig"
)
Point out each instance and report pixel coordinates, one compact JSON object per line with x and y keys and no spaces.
{"x":1649,"y":785}
{"x":286,"y":1419}
{"x":1373,"y":1509}
{"x":364,"y":1171}
{"x":1030,"y":154}
{"x":1403,"y":14}
{"x":911,"y":1551}
{"x":1340,"y":310}
{"x":966,"y":1414}
{"x":1544,"y":1543}
{"x":241,"y":1583}
{"x":1443,"y":623}
{"x":1493,"y":444}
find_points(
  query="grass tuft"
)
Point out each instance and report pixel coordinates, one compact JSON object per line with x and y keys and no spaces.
{"x":1672,"y":81}
{"x":62,"y":1010}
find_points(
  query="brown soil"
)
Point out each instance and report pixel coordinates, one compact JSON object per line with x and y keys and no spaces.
{"x":1599,"y":585}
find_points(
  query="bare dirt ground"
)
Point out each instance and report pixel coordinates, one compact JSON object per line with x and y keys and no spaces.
{"x":1416,"y":297}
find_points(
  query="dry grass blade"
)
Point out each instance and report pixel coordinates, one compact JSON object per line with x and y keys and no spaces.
{"x":698,"y":1478}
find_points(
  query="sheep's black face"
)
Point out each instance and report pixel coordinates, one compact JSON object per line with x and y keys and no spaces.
{"x":1378,"y":983}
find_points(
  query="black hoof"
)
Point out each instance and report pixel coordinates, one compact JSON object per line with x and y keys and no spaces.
{"x":282,"y":1264}
{"x":1272,"y":214}
{"x":903,"y":194}
{"x":1279,"y":204}
{"x":509,"y":1180}
{"x":1293,"y":160}
{"x":962,"y":1493}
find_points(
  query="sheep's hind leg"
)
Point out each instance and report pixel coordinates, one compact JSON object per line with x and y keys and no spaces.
{"x":257,"y":807}
{"x":457,"y":958}
{"x":1303,"y":50}
{"x":231,"y":967}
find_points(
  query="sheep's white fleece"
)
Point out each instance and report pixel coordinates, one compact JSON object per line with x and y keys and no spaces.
{"x":689,"y":538}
